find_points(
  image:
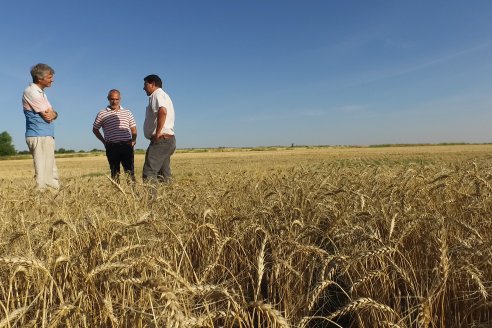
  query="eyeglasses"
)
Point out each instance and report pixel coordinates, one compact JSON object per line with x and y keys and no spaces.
{"x":114,"y":99}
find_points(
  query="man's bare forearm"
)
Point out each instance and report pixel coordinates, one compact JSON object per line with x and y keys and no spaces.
{"x":49,"y":115}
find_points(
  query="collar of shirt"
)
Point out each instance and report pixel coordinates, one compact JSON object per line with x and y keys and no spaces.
{"x":109,"y":108}
{"x":156,"y":90}
{"x":38,"y":89}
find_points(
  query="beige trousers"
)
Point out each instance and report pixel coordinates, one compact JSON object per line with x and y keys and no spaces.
{"x":43,"y":153}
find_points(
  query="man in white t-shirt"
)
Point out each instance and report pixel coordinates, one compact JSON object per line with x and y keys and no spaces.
{"x":159,"y":129}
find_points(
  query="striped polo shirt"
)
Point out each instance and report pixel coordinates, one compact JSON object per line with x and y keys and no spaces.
{"x":116,"y":124}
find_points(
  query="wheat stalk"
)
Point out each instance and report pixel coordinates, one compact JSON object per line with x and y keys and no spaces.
{"x":477,"y":276}
{"x":424,"y":315}
{"x":317,"y":291}
{"x":25,"y":262}
{"x":260,"y":267}
{"x":108,"y":310}
{"x":367,"y":277}
{"x":444,"y":257}
{"x":172,"y":310}
{"x":103,"y":268}
{"x":277,"y":320}
{"x":60,"y":313}
{"x":15,"y":314}
{"x":360,"y":305}
{"x":374,"y":253}
{"x":124,"y":250}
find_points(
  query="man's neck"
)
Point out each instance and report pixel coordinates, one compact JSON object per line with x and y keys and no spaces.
{"x":40,"y":86}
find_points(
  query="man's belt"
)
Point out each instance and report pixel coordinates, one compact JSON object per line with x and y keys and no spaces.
{"x":128,"y":142}
{"x":166,"y":136}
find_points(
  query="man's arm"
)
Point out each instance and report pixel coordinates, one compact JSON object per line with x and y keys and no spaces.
{"x":161,"y":118}
{"x":49,"y":115}
{"x":99,"y":136}
{"x":39,"y":104}
{"x":134,"y":135}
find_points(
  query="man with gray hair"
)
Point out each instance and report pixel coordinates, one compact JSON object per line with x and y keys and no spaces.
{"x":40,"y":129}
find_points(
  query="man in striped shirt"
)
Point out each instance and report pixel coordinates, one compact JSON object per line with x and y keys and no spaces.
{"x":120,"y":135}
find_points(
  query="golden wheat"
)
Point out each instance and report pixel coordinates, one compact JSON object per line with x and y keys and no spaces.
{"x":254,"y":239}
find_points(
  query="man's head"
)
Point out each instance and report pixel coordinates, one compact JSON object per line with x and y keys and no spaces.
{"x":42,"y":75}
{"x":114,"y":98}
{"x":151,"y":83}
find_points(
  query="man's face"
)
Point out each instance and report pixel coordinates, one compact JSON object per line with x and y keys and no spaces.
{"x":149,"y":88}
{"x":114,"y":100}
{"x":46,"y":81}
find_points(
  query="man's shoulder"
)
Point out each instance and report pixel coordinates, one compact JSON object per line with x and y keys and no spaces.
{"x":32,"y":89}
{"x":158,"y":93}
{"x":126,"y":111}
{"x":103,"y":112}
{"x":162,"y":96}
{"x":163,"y":93}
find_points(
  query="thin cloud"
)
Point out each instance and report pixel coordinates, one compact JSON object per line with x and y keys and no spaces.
{"x":312,"y":112}
{"x":392,"y":73}
{"x":352,"y":108}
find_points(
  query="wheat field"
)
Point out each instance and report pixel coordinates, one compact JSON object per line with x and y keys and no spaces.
{"x":322,"y":237}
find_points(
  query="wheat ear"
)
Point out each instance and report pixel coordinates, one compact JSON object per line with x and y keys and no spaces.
{"x":277,"y":320}
{"x":361,"y":304}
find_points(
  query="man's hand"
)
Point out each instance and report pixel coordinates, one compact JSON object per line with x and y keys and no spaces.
{"x":49,"y":115}
{"x":155,"y":137}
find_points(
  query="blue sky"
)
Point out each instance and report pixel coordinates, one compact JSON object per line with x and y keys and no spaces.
{"x":259,"y":73}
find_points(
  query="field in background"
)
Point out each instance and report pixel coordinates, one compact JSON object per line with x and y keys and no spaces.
{"x":187,"y":163}
{"x":326,"y":237}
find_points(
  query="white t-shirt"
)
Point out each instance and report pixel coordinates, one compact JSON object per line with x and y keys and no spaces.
{"x":156,"y":100}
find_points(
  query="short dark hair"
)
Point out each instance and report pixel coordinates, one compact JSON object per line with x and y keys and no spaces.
{"x":155,"y":79}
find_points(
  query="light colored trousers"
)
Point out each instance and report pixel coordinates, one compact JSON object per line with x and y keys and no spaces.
{"x":43,"y":153}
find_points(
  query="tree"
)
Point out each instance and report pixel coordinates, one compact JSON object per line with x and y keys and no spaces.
{"x":64,"y":151}
{"x":6,"y":146}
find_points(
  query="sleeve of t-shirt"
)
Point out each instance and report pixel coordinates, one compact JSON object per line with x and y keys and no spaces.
{"x":35,"y":101}
{"x":131,"y":121}
{"x":161,"y":101}
{"x":97,"y":122}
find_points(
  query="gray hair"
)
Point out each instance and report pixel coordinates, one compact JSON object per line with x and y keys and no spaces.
{"x":39,"y":71}
{"x":114,"y":91}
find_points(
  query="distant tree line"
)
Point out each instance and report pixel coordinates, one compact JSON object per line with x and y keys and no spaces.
{"x":7,"y":147}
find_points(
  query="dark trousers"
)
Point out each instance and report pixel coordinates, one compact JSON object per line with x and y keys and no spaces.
{"x":157,"y":166}
{"x":120,"y":153}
